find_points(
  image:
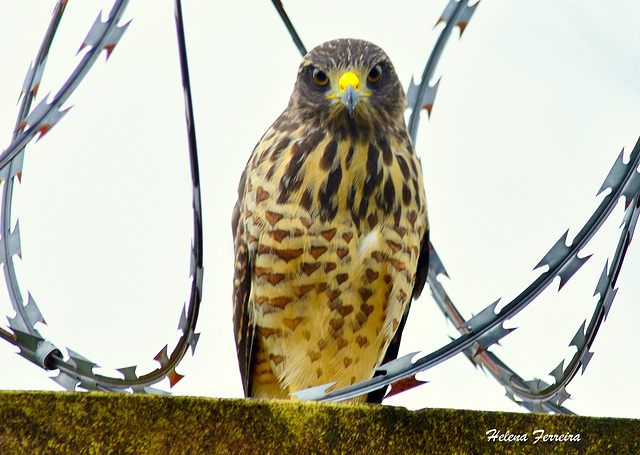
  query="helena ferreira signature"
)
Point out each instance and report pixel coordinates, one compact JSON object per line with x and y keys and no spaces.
{"x":536,"y":436}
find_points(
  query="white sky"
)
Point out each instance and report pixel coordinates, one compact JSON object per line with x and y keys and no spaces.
{"x":536,"y":101}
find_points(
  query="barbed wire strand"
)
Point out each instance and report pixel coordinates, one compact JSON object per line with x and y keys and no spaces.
{"x":537,"y":395}
{"x":77,"y":371}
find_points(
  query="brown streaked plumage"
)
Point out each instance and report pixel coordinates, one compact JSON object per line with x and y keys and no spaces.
{"x":330,"y":228}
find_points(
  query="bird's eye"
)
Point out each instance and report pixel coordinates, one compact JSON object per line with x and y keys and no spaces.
{"x":375,"y":74}
{"x":319,"y":77}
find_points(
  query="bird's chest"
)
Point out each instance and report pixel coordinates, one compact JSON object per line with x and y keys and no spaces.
{"x":327,"y":299}
{"x":333,"y":265}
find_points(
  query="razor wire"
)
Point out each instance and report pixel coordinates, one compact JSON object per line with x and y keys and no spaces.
{"x":477,"y":333}
{"x":486,"y":328}
{"x":77,"y":371}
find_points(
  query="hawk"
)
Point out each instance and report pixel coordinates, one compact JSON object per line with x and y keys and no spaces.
{"x":330,"y":229}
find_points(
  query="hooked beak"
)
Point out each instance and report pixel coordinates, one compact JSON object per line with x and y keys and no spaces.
{"x":349,"y":84}
{"x":350,"y":98}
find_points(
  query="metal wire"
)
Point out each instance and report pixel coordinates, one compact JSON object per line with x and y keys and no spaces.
{"x":486,"y":329}
{"x":77,"y":371}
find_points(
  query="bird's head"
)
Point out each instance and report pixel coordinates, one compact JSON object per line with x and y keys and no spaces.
{"x":348,"y":80}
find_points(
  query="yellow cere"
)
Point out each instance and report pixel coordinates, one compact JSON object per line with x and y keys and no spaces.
{"x":348,"y":79}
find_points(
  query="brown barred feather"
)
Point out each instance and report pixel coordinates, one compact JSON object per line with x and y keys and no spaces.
{"x":330,"y":231}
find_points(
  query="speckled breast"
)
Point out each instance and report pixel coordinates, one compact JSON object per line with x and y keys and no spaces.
{"x":334,"y":230}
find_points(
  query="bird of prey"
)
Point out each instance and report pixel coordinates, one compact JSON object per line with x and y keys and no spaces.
{"x":330,"y":229}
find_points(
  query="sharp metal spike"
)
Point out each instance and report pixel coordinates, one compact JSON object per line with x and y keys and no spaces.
{"x":69,"y":383}
{"x":578,"y":339}
{"x":88,"y":383}
{"x":463,"y":18}
{"x":606,"y":304}
{"x":183,"y":325}
{"x":448,"y":12}
{"x":412,"y":93}
{"x":4,"y":172}
{"x":603,"y":281}
{"x":199,"y":278}
{"x":37,"y":78}
{"x":32,"y":311}
{"x":398,"y":365}
{"x":97,"y":31}
{"x":492,"y":337}
{"x":558,"y":372}
{"x":482,"y":319}
{"x":196,"y":200}
{"x":32,"y":80}
{"x":428,"y":97}
{"x":562,"y":396}
{"x":585,"y":359}
{"x":13,"y":240}
{"x":114,"y":37}
{"x":509,"y":394}
{"x":44,"y":116}
{"x":36,"y":75}
{"x":313,"y":393}
{"x":162,"y":356}
{"x":630,"y":220}
{"x":74,"y":355}
{"x":174,"y":378}
{"x":17,"y":324}
{"x":404,"y":384}
{"x":570,"y":268}
{"x":52,"y":120}
{"x":615,"y":175}
{"x":471,"y":352}
{"x":435,"y":263}
{"x":2,"y":252}
{"x":28,"y":80}
{"x":631,"y":188}
{"x":36,"y":114}
{"x":555,"y":254}
{"x":81,"y":363}
{"x":129,"y":373}
{"x":193,"y":342}
{"x":16,"y":166}
{"x":193,"y":264}
{"x":536,"y":385}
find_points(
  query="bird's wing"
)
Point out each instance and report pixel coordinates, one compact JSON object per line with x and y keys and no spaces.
{"x":423,"y":266}
{"x":244,"y":329}
{"x":421,"y":279}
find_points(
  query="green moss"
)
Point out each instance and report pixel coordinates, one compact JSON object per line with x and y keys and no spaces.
{"x":78,"y":423}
